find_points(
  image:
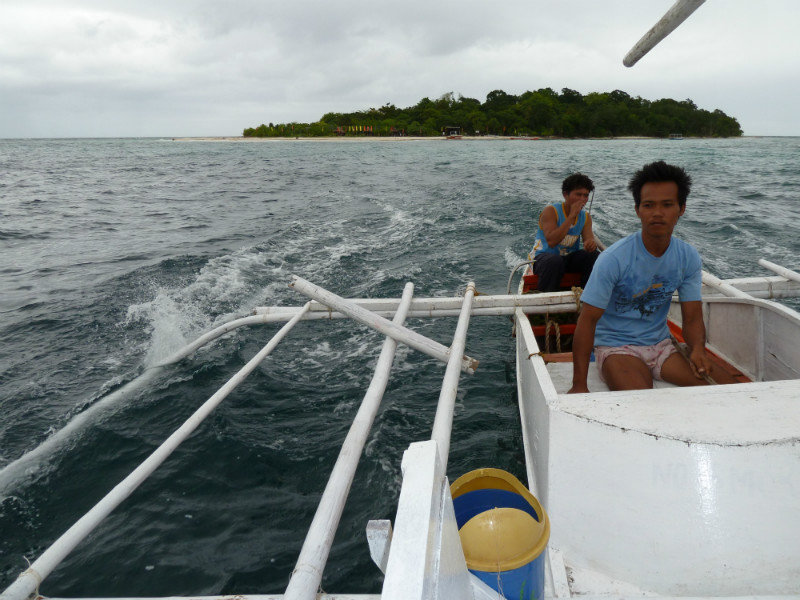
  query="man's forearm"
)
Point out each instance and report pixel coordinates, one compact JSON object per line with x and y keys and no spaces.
{"x":582,"y":343}
{"x":556,"y":235}
{"x":694,"y":333}
{"x":581,"y":352}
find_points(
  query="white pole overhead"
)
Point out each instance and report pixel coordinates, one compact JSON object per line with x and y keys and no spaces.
{"x":28,"y":582}
{"x":384,"y":326}
{"x":676,"y":15}
{"x":443,"y":422}
{"x":307,"y":573}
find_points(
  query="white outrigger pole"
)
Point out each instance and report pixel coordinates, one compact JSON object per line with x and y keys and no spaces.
{"x":676,"y":15}
{"x":28,"y":582}
{"x":307,"y":573}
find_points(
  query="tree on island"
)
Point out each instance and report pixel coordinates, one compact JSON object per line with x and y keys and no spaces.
{"x":543,"y":112}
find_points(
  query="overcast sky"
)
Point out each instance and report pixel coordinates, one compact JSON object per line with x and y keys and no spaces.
{"x":86,"y":68}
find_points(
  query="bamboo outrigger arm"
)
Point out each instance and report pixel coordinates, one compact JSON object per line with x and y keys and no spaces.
{"x":676,"y":15}
{"x":782,"y":271}
{"x":307,"y":574}
{"x":381,"y":324}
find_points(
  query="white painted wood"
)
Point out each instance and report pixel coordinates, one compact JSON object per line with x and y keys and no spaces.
{"x":481,"y":591}
{"x":535,"y":392}
{"x":29,"y":580}
{"x":307,"y":573}
{"x":583,"y":581}
{"x":561,"y":376}
{"x":429,"y":305}
{"x":424,"y":562}
{"x":757,"y":334}
{"x":379,"y":539}
{"x":782,"y":271}
{"x":558,"y":571}
{"x":741,"y":414}
{"x":732,"y":328}
{"x":691,"y":494}
{"x":679,"y":491}
{"x":676,"y":15}
{"x":488,"y":305}
{"x":765,"y":287}
{"x":720,"y":286}
{"x":451,"y":579}
{"x":443,"y":421}
{"x":384,"y":326}
{"x":781,"y":345}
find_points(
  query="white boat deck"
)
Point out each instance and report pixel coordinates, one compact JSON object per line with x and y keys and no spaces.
{"x":561,"y":374}
{"x":740,"y":414}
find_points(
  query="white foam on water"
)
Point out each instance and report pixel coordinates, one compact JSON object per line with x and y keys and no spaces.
{"x":168,"y":321}
{"x":175,"y":317}
{"x":487,"y":223}
{"x":223,"y":289}
{"x":511,"y":258}
{"x":32,"y":463}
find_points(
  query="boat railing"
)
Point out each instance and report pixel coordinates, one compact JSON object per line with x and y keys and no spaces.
{"x":514,"y":270}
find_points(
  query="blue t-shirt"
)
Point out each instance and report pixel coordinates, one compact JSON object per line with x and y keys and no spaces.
{"x":635,"y":288}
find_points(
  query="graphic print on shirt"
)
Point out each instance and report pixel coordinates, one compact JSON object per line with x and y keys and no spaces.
{"x":565,"y":246}
{"x":647,"y":301}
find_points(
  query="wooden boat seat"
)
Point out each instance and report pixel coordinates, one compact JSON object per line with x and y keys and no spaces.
{"x":560,"y":368}
{"x":561,"y":374}
{"x":530,"y":281}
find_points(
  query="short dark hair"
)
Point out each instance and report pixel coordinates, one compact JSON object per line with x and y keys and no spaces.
{"x":576,"y":181}
{"x":658,"y":172}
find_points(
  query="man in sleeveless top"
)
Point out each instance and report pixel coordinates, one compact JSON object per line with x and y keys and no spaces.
{"x":557,"y":248}
{"x":625,"y":303}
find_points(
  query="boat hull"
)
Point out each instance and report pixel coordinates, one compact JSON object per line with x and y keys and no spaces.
{"x":681,"y":491}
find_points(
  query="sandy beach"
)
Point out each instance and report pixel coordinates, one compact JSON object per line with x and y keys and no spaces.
{"x":346,"y":139}
{"x":376,"y":138}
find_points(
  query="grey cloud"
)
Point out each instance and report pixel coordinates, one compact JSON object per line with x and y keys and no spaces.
{"x":213,"y":68}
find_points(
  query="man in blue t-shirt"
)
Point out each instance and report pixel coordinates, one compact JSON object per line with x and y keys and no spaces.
{"x":626,"y":300}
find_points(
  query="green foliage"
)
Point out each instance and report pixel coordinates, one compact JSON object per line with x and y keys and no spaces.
{"x":543,"y":112}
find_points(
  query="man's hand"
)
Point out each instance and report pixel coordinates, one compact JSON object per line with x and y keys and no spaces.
{"x":575,"y":209}
{"x":590,"y":245}
{"x":578,"y":389}
{"x":700,"y":363}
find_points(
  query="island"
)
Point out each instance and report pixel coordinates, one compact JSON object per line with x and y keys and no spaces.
{"x":542,"y":113}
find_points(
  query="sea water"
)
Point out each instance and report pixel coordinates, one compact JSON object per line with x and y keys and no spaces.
{"x":115,"y":253}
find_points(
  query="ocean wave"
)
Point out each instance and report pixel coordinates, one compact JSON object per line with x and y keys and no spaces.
{"x":11,"y":234}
